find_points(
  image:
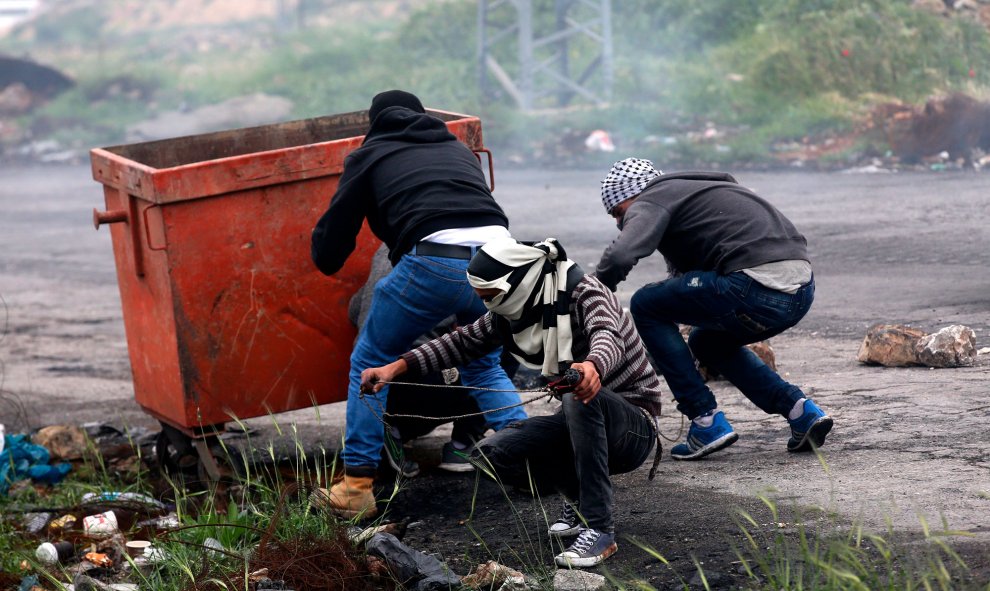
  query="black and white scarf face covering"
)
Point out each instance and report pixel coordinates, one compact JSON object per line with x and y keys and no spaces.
{"x":533,"y":282}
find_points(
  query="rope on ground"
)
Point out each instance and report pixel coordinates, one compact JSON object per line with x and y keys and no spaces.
{"x":545,"y":393}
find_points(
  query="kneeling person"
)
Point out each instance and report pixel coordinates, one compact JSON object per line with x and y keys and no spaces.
{"x":551,"y":317}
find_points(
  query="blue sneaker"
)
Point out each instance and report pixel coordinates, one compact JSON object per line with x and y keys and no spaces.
{"x":809,"y":430}
{"x":590,"y":548}
{"x":702,"y":441}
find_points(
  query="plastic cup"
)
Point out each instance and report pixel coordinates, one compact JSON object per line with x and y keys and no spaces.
{"x":137,"y":548}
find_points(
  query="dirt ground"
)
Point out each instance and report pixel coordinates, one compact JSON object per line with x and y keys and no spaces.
{"x":909,"y":445}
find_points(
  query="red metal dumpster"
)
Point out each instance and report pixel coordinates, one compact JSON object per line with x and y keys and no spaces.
{"x":225,"y":314}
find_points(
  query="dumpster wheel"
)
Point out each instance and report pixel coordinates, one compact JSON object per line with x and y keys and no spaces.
{"x":199,"y":461}
{"x":175,"y":453}
{"x":220,"y":464}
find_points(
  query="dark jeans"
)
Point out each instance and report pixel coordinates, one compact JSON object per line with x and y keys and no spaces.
{"x":727,"y":313}
{"x":573,"y":451}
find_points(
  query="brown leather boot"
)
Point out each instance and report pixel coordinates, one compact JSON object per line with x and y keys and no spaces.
{"x":349,"y":498}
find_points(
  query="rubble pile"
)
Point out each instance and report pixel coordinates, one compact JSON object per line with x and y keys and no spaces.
{"x":952,"y":131}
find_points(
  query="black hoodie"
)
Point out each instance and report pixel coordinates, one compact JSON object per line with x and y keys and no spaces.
{"x":410,"y":178}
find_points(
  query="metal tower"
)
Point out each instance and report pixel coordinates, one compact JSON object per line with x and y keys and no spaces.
{"x":545,"y":59}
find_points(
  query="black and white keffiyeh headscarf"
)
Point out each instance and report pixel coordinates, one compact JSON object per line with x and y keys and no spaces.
{"x":625,"y":180}
{"x":534,"y":298}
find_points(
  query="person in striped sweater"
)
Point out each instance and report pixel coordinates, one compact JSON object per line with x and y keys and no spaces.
{"x":551,"y":316}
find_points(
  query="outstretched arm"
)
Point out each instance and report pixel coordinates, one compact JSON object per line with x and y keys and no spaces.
{"x":642,"y":228}
{"x":457,"y":347}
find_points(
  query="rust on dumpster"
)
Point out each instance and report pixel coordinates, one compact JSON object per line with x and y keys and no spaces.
{"x":225,"y":314}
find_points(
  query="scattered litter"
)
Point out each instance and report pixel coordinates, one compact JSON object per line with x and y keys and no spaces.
{"x":28,"y":583}
{"x":54,"y":553}
{"x":984,"y":351}
{"x":599,"y":141}
{"x":165,"y":523}
{"x":101,"y":524}
{"x":135,"y":548}
{"x":61,"y":524}
{"x":34,"y":523}
{"x":98,"y":558}
{"x":122,"y":496}
{"x":412,"y":568}
{"x":155,"y":554}
{"x":22,"y":459}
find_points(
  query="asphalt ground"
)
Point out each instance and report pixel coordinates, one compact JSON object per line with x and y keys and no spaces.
{"x":909,"y":447}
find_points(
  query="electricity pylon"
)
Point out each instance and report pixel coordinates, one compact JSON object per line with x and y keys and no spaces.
{"x":539,"y":58}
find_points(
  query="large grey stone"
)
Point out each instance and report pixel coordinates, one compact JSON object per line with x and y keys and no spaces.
{"x":577,"y":580}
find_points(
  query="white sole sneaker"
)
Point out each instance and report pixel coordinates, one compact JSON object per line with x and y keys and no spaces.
{"x":720,"y":443}
{"x":571,"y":560}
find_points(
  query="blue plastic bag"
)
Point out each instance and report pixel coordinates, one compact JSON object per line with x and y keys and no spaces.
{"x":22,"y":459}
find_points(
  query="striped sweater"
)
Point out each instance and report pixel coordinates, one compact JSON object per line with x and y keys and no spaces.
{"x":603,"y":333}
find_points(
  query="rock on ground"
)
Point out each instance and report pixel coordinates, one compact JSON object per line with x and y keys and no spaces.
{"x":577,"y":580}
{"x":953,"y":346}
{"x":891,"y":345}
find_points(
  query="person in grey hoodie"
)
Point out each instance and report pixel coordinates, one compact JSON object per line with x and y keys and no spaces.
{"x":738,"y":273}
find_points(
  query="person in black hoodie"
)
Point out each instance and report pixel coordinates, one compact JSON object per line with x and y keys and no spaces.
{"x":424,"y":195}
{"x":739,"y":273}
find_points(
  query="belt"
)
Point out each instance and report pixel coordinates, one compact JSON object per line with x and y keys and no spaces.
{"x":658,"y":451}
{"x":448,"y":251}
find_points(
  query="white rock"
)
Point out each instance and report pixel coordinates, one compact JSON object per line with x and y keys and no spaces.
{"x":953,"y":346}
{"x":577,"y":580}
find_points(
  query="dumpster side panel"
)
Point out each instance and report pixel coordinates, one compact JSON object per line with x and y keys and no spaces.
{"x":259,"y":329}
{"x":226,"y":315}
{"x":146,"y":297}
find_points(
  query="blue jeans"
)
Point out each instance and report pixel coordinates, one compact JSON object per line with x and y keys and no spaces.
{"x":418,"y":294}
{"x":573,"y":451}
{"x":727,"y":313}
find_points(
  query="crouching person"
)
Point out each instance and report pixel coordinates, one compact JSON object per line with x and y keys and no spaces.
{"x":551,"y":317}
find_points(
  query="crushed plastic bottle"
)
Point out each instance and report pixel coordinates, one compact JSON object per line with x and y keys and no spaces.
{"x":122,"y":496}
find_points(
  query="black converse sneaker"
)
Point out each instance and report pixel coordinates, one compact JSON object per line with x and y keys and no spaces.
{"x":568,"y":524}
{"x":590,"y":548}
